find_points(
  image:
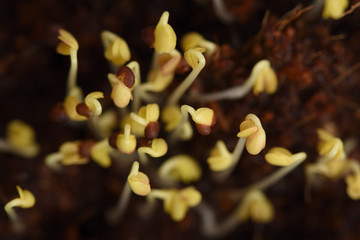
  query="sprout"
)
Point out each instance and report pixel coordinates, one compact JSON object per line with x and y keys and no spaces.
{"x":204,"y":118}
{"x":353,"y":186}
{"x":162,"y":71}
{"x":182,"y":168}
{"x":158,"y":148}
{"x":330,"y":147}
{"x":220,"y":157}
{"x":329,"y":169}
{"x":73,"y":98}
{"x":257,"y":207}
{"x":69,"y":46}
{"x":196,"y":40}
{"x":332,"y":162}
{"x":20,"y":139}
{"x":116,"y":49}
{"x":26,"y":200}
{"x":122,"y":84}
{"x":147,"y":120}
{"x":100,"y":153}
{"x":222,"y":13}
{"x":254,"y":205}
{"x":107,"y":122}
{"x":77,"y":110}
{"x":70,"y":153}
{"x":171,"y":115}
{"x":125,"y":142}
{"x":177,"y":202}
{"x":165,"y":37}
{"x":262,"y":78}
{"x":265,"y":78}
{"x":252,"y":130}
{"x":279,"y":156}
{"x":197,"y":62}
{"x":160,"y":76}
{"x":91,"y":101}
{"x":138,"y":181}
{"x":334,"y":8}
{"x":251,"y":133}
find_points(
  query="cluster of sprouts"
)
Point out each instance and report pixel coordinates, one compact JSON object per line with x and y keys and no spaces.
{"x":333,"y":163}
{"x":146,"y":121}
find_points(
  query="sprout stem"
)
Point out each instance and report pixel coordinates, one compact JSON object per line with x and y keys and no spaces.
{"x":235,"y":157}
{"x":16,"y":223}
{"x":231,"y":93}
{"x":181,"y":89}
{"x":95,"y":127}
{"x":211,"y":228}
{"x":116,"y":213}
{"x":5,"y":146}
{"x":185,"y":110}
{"x":271,"y":179}
{"x":73,"y":70}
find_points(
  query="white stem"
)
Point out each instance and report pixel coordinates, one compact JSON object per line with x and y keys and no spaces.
{"x":17,"y":224}
{"x":181,"y":89}
{"x":143,"y":157}
{"x":235,"y":157}
{"x":73,"y":70}
{"x":239,"y":149}
{"x":273,"y":178}
{"x":185,"y":110}
{"x":95,"y":127}
{"x":213,"y":229}
{"x":137,"y":98}
{"x":222,"y":13}
{"x":115,"y":214}
{"x":5,"y":146}
{"x":53,"y":161}
{"x":231,"y":93}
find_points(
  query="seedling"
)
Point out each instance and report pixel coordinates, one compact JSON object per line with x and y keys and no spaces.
{"x":332,"y":162}
{"x":262,"y":78}
{"x":100,"y":153}
{"x":252,"y":135}
{"x":196,"y":40}
{"x":77,"y":110}
{"x":124,"y":142}
{"x":25,"y":200}
{"x":116,"y":49}
{"x":172,"y":116}
{"x":20,"y":140}
{"x":69,"y":154}
{"x":334,"y":8}
{"x":257,"y":207}
{"x":137,"y":182}
{"x":122,"y":84}
{"x":69,"y":46}
{"x":204,"y":119}
{"x":220,"y":157}
{"x":180,"y":168}
{"x":165,"y":37}
{"x":254,"y":205}
{"x":147,"y":120}
{"x":196,"y":60}
{"x":330,"y":147}
{"x":156,"y":149}
{"x":177,"y":202}
{"x":279,"y":156}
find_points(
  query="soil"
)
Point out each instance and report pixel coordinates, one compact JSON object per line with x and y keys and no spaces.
{"x":317,"y":64}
